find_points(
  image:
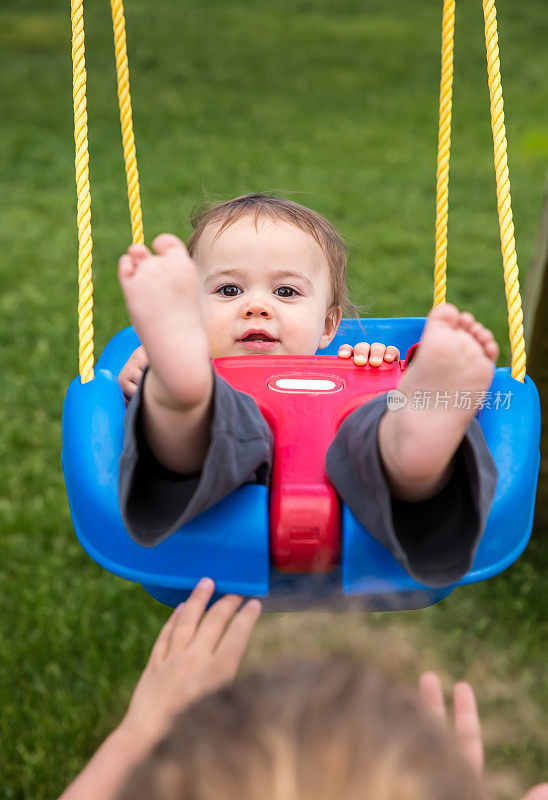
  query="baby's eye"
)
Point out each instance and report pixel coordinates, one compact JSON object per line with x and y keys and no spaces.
{"x":231,"y":290}
{"x":231,"y":293}
{"x":285,"y":289}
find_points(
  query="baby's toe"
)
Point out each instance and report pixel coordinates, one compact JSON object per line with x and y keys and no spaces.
{"x":165,"y":242}
{"x":491,"y":349}
{"x":138,"y":251}
{"x":446,"y":312}
{"x":126,"y":268}
{"x":483,"y":334}
{"x":467,"y":321}
{"x":477,"y":331}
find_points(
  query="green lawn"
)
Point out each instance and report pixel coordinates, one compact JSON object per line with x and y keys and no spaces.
{"x":332,"y":102}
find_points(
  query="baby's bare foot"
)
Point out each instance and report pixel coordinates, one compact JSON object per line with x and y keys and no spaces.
{"x":162,"y":296}
{"x":452,"y":367}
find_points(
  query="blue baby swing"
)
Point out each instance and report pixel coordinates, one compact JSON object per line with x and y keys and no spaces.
{"x":231,"y":541}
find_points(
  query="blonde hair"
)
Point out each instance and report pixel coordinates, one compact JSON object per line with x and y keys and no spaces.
{"x":306,"y":731}
{"x":260,"y":205}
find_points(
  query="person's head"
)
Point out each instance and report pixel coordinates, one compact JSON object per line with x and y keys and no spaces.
{"x":306,"y":731}
{"x":268,"y":264}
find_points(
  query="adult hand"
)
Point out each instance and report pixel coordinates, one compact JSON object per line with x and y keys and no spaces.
{"x":466,"y":723}
{"x":191,"y":657}
{"x":465,"y":715}
{"x":132,"y":372}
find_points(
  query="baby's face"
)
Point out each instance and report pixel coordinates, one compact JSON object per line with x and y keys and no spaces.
{"x":272,"y":278}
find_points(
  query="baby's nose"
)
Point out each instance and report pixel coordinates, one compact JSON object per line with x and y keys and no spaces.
{"x":263,"y":313}
{"x":258,"y":309}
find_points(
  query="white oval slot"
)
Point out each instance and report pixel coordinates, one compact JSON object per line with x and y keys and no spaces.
{"x":305,"y":384}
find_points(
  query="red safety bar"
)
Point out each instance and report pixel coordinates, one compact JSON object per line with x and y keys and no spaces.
{"x":304,"y":399}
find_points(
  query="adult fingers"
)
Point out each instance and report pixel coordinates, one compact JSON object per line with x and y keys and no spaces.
{"x":467,"y":725}
{"x":376,"y":355}
{"x":188,"y":620}
{"x":214,"y":623}
{"x":234,"y":642}
{"x":431,"y":693}
{"x":161,"y":645}
{"x":345,"y":351}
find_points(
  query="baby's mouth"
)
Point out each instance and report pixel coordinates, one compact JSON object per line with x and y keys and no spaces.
{"x":257,"y":337}
{"x":258,"y":342}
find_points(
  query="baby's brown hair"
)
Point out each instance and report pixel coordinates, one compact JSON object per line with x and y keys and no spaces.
{"x":260,"y":205}
{"x":306,"y":731}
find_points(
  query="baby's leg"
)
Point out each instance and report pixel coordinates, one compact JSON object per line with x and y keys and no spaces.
{"x":162,"y":296}
{"x":417,"y":442}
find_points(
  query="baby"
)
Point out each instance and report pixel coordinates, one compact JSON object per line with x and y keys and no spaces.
{"x":266,"y":275}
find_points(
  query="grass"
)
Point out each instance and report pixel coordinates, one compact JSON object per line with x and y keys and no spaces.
{"x":333,"y":102}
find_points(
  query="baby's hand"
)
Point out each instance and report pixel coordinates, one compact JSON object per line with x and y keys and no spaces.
{"x":376,"y":353}
{"x":132,"y":372}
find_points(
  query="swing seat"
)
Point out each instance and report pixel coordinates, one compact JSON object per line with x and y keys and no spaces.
{"x":230,"y":542}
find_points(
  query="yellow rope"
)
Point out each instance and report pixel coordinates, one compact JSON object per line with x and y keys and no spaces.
{"x":444,"y":147}
{"x":126,"y":122}
{"x":85,"y":285}
{"x":508,"y":244}
{"x":508,"y":247}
